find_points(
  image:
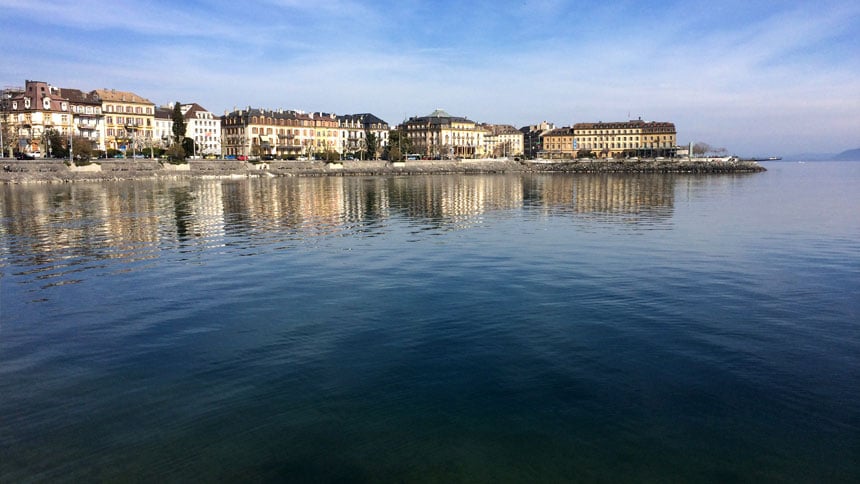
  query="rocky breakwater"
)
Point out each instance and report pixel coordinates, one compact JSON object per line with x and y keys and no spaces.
{"x":15,"y":171}
{"x":673,"y":165}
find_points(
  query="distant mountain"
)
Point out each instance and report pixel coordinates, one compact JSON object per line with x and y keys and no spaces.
{"x":809,"y":157}
{"x":849,"y":155}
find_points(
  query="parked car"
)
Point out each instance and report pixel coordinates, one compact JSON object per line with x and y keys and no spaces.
{"x":211,"y":157}
{"x":242,"y":158}
{"x":268,"y":157}
{"x":24,"y":156}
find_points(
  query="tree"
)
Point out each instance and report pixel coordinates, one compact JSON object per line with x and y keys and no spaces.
{"x":398,"y":145}
{"x":176,"y":153}
{"x":82,"y":148}
{"x":8,"y":136}
{"x":394,"y":153}
{"x":188,"y":146}
{"x":179,"y":126}
{"x":701,"y":148}
{"x":372,"y":144}
{"x":55,"y":143}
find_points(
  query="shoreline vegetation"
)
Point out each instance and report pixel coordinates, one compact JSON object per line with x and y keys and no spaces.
{"x":24,"y":171}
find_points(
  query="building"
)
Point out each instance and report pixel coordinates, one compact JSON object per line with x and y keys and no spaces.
{"x":532,"y":142}
{"x":203,"y":127}
{"x":558,"y":143}
{"x":87,"y":118}
{"x":502,"y":140}
{"x":162,"y":132}
{"x":440,"y":135}
{"x":128,"y":120}
{"x":627,"y":138}
{"x":354,"y":129}
{"x":33,"y":112}
{"x":279,"y":133}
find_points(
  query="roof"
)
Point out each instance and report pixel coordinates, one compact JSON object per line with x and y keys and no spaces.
{"x":163,"y":113}
{"x":567,"y":131}
{"x":76,"y":96}
{"x":438,"y":117}
{"x":363,"y":118}
{"x":112,"y":95}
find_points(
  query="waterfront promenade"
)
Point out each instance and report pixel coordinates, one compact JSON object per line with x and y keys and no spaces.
{"x":15,"y":171}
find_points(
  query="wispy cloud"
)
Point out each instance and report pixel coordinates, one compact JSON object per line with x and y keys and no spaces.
{"x":710,"y":67}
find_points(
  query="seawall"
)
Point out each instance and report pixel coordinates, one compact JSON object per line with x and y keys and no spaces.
{"x":22,"y":171}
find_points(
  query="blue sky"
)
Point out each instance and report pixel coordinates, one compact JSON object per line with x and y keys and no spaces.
{"x":756,"y":77}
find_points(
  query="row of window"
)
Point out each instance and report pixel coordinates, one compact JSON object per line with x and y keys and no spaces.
{"x":616,"y":145}
{"x":110,"y":108}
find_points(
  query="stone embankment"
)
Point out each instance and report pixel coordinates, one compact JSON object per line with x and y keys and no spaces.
{"x":15,"y":171}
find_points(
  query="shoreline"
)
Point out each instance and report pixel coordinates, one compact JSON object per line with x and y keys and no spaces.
{"x":57,"y":171}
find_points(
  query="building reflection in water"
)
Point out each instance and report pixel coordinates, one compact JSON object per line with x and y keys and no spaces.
{"x":135,"y":220}
{"x":629,"y":198}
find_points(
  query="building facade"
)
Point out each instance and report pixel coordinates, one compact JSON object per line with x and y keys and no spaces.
{"x":129,"y":121}
{"x":162,"y":132}
{"x":354,"y":129}
{"x":440,"y":135}
{"x":558,"y":143}
{"x":87,"y":117}
{"x":502,"y":140}
{"x":532,"y":138}
{"x":279,"y":133}
{"x":203,"y":127}
{"x":32,"y":113}
{"x":628,"y":138}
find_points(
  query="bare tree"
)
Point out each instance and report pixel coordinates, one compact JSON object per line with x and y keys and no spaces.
{"x":700,"y":148}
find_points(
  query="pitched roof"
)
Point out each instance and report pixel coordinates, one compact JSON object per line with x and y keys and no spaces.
{"x":76,"y":96}
{"x":112,"y":95}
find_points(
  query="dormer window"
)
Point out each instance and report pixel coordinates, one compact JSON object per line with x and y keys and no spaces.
{"x":64,"y":106}
{"x":46,"y":103}
{"x":14,"y":104}
{"x":26,"y":103}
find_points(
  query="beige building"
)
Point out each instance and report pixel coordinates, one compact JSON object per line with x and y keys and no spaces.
{"x":558,"y":143}
{"x":440,"y":135}
{"x":32,"y":112}
{"x":87,"y":117}
{"x":628,"y":138}
{"x":278,"y":133}
{"x":129,"y":120}
{"x":502,"y":140}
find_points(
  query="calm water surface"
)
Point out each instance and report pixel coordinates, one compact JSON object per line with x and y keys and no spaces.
{"x":655,"y":328}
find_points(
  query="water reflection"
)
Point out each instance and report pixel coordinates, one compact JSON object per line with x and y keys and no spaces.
{"x":45,"y":224}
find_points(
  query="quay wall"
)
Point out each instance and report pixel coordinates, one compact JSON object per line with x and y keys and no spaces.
{"x":21,"y":171}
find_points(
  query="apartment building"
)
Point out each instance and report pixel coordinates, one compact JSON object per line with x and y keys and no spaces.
{"x":501,"y":140}
{"x":558,"y":143}
{"x":353,"y":129}
{"x":261,"y":132}
{"x":162,"y":128}
{"x":440,"y":135}
{"x":627,"y":138}
{"x":87,"y":118}
{"x":532,"y":137}
{"x":128,"y":120}
{"x":203,"y":127}
{"x":32,"y":112}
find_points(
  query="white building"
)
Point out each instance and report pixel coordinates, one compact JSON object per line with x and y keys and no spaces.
{"x":204,"y":128}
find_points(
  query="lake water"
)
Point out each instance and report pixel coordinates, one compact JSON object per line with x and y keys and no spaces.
{"x":553,"y":328}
